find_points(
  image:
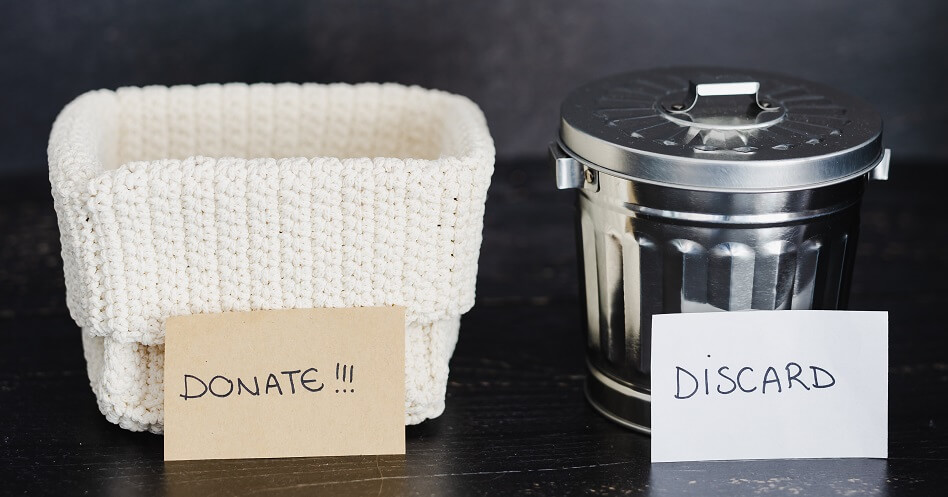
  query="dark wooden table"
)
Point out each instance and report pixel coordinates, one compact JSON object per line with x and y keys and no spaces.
{"x":516,"y":421}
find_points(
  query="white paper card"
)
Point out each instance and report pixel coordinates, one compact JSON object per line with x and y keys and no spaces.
{"x":769,"y":385}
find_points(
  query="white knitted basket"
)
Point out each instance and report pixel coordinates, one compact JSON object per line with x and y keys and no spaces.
{"x":232,"y":197}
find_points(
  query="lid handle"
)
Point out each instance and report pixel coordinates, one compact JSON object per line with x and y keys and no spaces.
{"x":736,"y":88}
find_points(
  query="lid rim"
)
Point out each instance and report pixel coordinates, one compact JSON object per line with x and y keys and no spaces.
{"x":864,"y":171}
{"x":831,"y":136}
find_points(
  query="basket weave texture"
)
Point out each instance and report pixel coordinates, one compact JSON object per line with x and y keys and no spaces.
{"x":217,"y":198}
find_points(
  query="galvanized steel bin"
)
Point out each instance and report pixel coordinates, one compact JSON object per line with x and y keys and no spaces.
{"x":707,"y":189}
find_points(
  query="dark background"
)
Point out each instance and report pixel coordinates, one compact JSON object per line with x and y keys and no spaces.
{"x":517,"y":59}
{"x":516,"y":421}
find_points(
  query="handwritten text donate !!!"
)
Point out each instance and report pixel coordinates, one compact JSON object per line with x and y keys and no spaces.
{"x":747,"y":380}
{"x":284,"y":382}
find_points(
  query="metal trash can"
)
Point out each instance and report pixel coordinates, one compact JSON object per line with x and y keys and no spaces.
{"x":707,"y":189}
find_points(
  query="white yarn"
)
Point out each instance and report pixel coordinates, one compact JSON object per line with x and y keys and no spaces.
{"x":372,"y":195}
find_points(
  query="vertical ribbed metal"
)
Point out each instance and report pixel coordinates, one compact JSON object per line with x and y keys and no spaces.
{"x":634,"y":274}
{"x":611,"y":296}
{"x":642,"y":278}
{"x":651,"y":249}
{"x":590,"y":276}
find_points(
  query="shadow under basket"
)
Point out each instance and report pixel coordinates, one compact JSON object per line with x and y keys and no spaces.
{"x":218,"y":198}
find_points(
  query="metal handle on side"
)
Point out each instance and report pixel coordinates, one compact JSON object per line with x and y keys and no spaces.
{"x":881,"y":171}
{"x":569,"y":171}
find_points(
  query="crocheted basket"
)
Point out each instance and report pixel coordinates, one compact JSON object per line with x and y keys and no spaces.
{"x":238,"y":197}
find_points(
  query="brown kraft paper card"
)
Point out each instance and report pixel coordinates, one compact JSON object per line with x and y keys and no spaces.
{"x":285,"y":383}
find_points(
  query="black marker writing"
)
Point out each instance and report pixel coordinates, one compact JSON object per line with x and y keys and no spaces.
{"x":305,"y":382}
{"x":282,"y":383}
{"x":728,"y":378}
{"x":678,"y":383}
{"x":793,"y":377}
{"x":241,"y":387}
{"x":739,"y":373}
{"x":347,"y":373}
{"x":272,"y":382}
{"x":770,"y":376}
{"x":773,"y":381}
{"x":230,"y":386}
{"x":816,"y":380}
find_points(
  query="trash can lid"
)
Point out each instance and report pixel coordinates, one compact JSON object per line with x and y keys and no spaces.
{"x":720,"y":129}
